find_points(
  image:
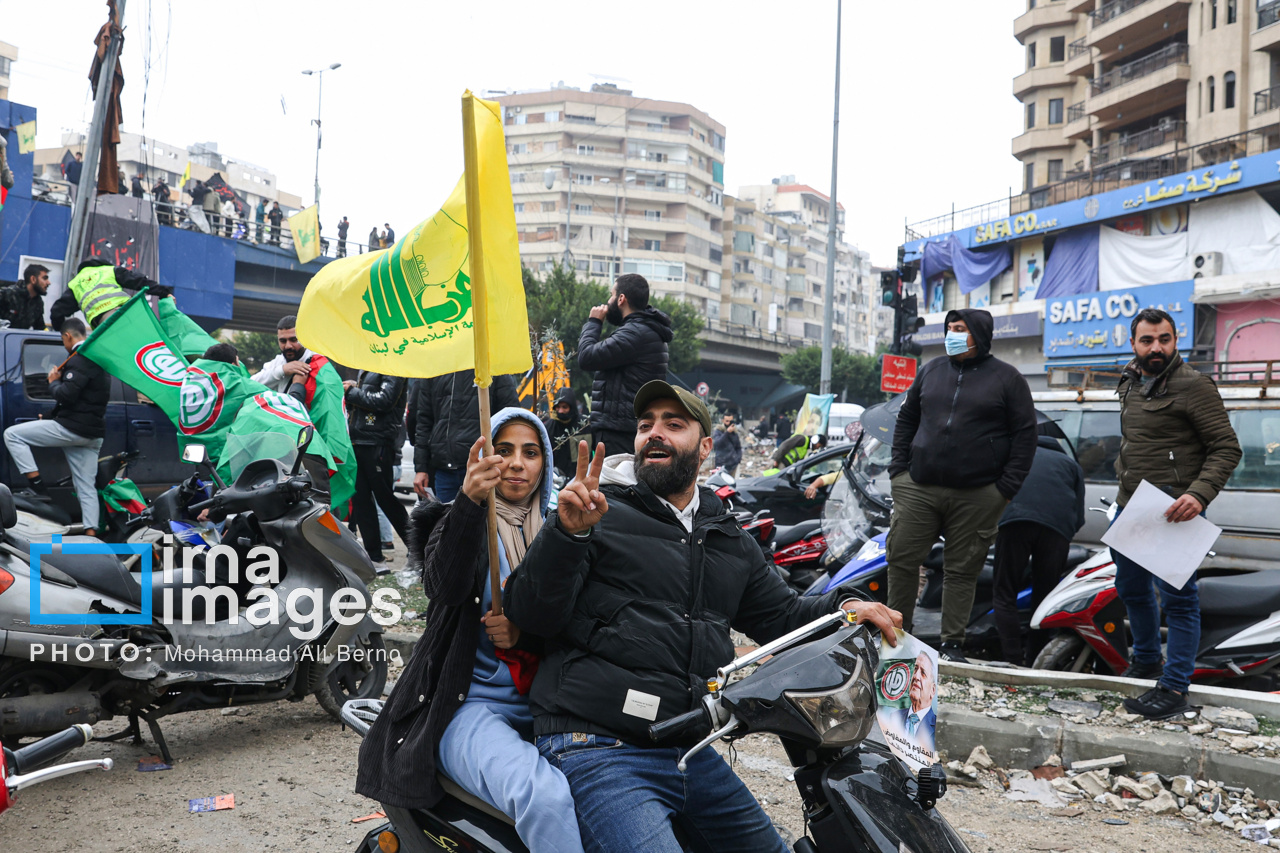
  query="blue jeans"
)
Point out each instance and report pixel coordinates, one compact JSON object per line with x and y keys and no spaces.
{"x":1181,"y":615}
{"x":628,"y":798}
{"x":446,"y":484}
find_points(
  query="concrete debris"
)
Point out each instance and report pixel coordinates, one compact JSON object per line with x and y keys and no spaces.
{"x":1183,"y":786}
{"x":1002,"y":714}
{"x":1231,"y":718}
{"x":1112,"y":802}
{"x":1091,"y":784}
{"x":1035,"y":790}
{"x":1152,"y":781}
{"x":1198,"y":728}
{"x":979,"y":758}
{"x":1124,"y":783}
{"x":1053,"y":761}
{"x":1072,"y":708}
{"x":1098,"y":763}
{"x":1162,"y":803}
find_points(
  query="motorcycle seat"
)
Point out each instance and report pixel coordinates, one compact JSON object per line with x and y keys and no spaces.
{"x":102,"y":572}
{"x":795,"y":532}
{"x":1251,"y":594}
{"x":1076,"y":555}
{"x":456,"y":791}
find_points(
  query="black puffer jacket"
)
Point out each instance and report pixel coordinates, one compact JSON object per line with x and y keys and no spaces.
{"x":561,"y":432}
{"x":376,"y":408}
{"x":637,"y":614}
{"x":633,"y":355}
{"x":446,"y":418}
{"x":967,"y":423}
{"x":81,"y":396}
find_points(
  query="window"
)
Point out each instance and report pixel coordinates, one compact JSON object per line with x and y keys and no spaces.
{"x":1231,"y":11}
{"x":5,"y":65}
{"x":551,"y":115}
{"x":1211,"y":90}
{"x":550,"y":147}
{"x":548,"y":207}
{"x":517,"y":177}
{"x":588,"y":150}
{"x":519,"y":207}
{"x":1213,"y":21}
{"x":653,"y":245}
{"x":1031,"y":115}
{"x":520,"y":148}
{"x":653,"y":214}
{"x":37,"y":360}
{"x":744,"y":241}
{"x":582,"y":208}
{"x":1057,"y":48}
{"x":1096,"y":436}
{"x":1258,"y":431}
{"x":1028,"y":177}
{"x":584,"y":179}
{"x":522,"y":118}
{"x":1031,"y":55}
{"x":1055,"y":171}
{"x":1229,"y":88}
{"x":1055,"y":111}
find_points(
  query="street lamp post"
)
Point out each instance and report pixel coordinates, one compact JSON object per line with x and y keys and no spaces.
{"x":549,"y":181}
{"x":319,"y":74}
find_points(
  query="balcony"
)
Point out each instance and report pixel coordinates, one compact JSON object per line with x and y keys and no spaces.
{"x":1266,"y":108}
{"x":1038,"y":78}
{"x":1043,"y":15}
{"x":1130,"y":144}
{"x":1132,"y":25}
{"x":1078,"y":124}
{"x":1148,"y":86}
{"x":1080,"y":6}
{"x":1079,"y":58}
{"x":1267,"y":36}
{"x":1039,"y":138}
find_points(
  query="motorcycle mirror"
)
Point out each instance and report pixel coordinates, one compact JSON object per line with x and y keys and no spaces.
{"x":304,"y":441}
{"x":195,"y":453}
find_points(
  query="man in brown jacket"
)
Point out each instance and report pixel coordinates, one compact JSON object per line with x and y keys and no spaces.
{"x":1176,"y":435}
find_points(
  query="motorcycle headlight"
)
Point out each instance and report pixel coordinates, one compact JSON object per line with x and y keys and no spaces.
{"x":843,"y":716}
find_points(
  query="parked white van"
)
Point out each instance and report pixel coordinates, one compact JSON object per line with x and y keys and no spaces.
{"x":842,"y":414}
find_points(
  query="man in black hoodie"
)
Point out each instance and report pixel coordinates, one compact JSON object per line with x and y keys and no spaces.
{"x":963,"y":444}
{"x":633,"y":355}
{"x":562,"y":425}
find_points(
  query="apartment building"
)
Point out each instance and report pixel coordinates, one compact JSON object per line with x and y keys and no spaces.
{"x":635,"y":185}
{"x":8,"y":56}
{"x":1112,"y":89}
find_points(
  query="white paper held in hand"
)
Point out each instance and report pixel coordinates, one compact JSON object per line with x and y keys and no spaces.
{"x":1171,"y":552}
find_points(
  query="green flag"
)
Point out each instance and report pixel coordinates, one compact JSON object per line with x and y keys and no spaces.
{"x":190,"y":339}
{"x":212,"y":394}
{"x":132,"y":345}
{"x":326,"y":393}
{"x":267,"y":427}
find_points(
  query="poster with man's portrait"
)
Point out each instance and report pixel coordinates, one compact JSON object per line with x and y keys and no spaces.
{"x":907,"y":693}
{"x":813,"y":416}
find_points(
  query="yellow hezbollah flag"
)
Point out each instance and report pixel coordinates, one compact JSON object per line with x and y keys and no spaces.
{"x":421,"y":308}
{"x":26,"y":137}
{"x":186,"y":176}
{"x":305,"y":228}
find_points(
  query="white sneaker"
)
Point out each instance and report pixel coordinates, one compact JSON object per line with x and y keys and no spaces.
{"x":380,"y":568}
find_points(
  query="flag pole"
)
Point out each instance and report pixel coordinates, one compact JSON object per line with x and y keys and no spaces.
{"x":480,"y":306}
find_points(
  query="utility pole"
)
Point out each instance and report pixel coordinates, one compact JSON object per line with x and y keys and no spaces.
{"x":319,"y":75}
{"x":829,"y":295}
{"x":87,"y":193}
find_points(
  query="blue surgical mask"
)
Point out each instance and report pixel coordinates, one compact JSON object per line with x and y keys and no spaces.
{"x":957,"y":343}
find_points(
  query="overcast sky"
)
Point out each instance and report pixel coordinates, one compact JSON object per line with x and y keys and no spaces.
{"x":926,"y":112}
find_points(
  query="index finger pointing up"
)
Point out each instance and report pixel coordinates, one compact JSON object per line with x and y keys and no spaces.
{"x":473,"y":456}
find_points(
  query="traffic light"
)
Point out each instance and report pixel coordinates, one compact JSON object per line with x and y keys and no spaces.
{"x":910,"y":323}
{"x":889,"y":289}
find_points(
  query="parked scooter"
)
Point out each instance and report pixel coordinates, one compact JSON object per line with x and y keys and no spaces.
{"x":1239,"y":626}
{"x":816,"y":693}
{"x":26,"y":767}
{"x":119,"y":504}
{"x":198,"y":647}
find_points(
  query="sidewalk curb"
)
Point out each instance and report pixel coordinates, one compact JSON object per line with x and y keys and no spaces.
{"x":1027,"y":741}
{"x":1258,"y":704}
{"x":399,"y":644}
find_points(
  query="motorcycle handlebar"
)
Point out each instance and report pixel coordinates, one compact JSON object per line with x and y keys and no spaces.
{"x":50,"y":749}
{"x":682,"y":727}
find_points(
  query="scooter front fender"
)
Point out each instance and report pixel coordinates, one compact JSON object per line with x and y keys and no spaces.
{"x":872,"y":796}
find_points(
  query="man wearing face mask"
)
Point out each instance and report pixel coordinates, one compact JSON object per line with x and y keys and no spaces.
{"x":563,"y":423}
{"x":633,"y":355}
{"x":963,"y":444}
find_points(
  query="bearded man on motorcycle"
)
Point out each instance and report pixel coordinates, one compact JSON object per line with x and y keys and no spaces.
{"x":635,"y":588}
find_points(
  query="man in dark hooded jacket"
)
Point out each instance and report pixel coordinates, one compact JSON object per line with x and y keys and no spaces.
{"x":562,"y":424}
{"x":963,"y":444}
{"x":633,"y":355}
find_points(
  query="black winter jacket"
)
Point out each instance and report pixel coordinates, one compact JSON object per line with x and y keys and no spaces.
{"x":446,"y":419}
{"x":376,"y":407}
{"x":633,"y":355}
{"x":398,"y":757}
{"x":636,"y":615}
{"x":561,"y":432}
{"x":966,"y":424}
{"x":1053,"y":493}
{"x":81,"y":397}
{"x":20,"y":308}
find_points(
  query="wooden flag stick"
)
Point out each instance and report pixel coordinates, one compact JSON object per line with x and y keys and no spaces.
{"x":495,"y":579}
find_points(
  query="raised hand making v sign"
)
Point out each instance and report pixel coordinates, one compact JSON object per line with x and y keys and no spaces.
{"x":581,"y":503}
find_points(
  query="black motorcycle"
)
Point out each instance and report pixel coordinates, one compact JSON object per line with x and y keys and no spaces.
{"x":816,"y":693}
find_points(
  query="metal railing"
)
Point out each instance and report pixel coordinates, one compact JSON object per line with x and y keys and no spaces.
{"x":1173,"y":54}
{"x":1077,"y":47}
{"x":756,"y":333}
{"x":1268,"y":15}
{"x":1144,"y":140}
{"x":1267,"y":99}
{"x":1075,"y":112}
{"x":1100,"y":179}
{"x":1110,"y":11}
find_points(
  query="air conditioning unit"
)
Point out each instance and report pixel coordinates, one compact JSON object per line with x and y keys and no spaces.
{"x":1206,"y":264}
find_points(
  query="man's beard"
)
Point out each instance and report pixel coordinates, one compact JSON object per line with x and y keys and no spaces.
{"x":676,"y":476}
{"x":292,"y":354}
{"x":1148,"y":362}
{"x":613,"y":314}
